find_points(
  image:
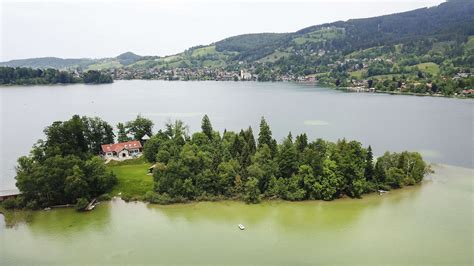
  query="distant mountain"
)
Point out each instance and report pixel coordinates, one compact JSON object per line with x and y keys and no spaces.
{"x":128,"y":58}
{"x":450,"y":21}
{"x":49,"y":62}
{"x":124,"y":59}
{"x":434,"y":34}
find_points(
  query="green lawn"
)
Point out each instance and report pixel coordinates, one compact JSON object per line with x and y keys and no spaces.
{"x":429,"y":67}
{"x":133,"y":180}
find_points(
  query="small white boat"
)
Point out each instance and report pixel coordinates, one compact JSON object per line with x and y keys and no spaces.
{"x":382,"y":191}
{"x":241,"y":226}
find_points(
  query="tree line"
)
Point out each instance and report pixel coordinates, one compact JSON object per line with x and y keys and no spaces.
{"x":31,"y":76}
{"x":65,"y":168}
{"x":208,"y":165}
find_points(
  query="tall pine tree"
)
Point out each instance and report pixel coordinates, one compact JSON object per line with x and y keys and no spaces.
{"x":369,"y":167}
{"x":265,"y":137}
{"x":206,"y":126}
{"x":265,"y":134}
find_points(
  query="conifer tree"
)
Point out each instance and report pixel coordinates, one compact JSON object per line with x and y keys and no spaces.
{"x":369,"y":167}
{"x":250,"y":139}
{"x":265,"y":134}
{"x":206,"y":126}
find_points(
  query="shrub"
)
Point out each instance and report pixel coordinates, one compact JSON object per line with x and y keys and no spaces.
{"x":153,"y":197}
{"x":384,"y":187}
{"x":150,"y":196}
{"x":32,"y":205}
{"x":104,"y":197}
{"x":126,"y":197}
{"x":10,"y":203}
{"x":81,"y":204}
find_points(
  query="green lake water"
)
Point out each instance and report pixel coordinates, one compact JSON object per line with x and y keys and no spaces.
{"x":427,"y":224}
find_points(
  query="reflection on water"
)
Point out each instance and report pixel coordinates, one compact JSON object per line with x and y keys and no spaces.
{"x":429,"y":223}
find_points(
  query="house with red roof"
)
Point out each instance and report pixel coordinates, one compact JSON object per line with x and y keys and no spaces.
{"x":122,"y":151}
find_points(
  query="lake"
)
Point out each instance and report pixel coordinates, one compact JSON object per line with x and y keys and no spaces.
{"x":426,"y":224}
{"x":430,"y":223}
{"x":440,"y":128}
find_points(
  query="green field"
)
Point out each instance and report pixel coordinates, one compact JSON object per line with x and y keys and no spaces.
{"x":430,"y":67}
{"x":106,"y":64}
{"x":358,"y":74}
{"x":386,"y":76}
{"x":133,"y":180}
{"x":321,"y":35}
{"x":204,"y":51}
{"x":274,"y":56}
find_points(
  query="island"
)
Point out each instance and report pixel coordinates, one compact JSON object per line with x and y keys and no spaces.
{"x":78,"y":162}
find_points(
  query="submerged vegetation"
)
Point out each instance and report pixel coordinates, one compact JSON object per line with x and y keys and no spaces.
{"x":65,"y":168}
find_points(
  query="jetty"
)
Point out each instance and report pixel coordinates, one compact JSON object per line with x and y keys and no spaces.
{"x":91,"y":205}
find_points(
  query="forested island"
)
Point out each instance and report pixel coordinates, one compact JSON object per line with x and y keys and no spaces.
{"x":30,"y":76}
{"x":208,"y":165}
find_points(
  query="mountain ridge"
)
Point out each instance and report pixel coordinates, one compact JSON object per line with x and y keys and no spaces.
{"x":361,"y":33}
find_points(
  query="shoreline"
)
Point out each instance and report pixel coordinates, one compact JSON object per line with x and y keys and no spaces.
{"x":434,"y":166}
{"x":13,"y":218}
{"x":4,"y":211}
{"x":330,"y":86}
{"x":364,"y":90}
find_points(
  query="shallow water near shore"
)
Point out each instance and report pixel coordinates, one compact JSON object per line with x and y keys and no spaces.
{"x":426,"y":224}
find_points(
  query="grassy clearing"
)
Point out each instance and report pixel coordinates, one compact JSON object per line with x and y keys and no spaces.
{"x":204,"y":51}
{"x":320,"y":35}
{"x":171,"y":58}
{"x":133,"y":180}
{"x":274,"y":56}
{"x":358,"y":74}
{"x":430,"y":67}
{"x":105,"y":65}
{"x":389,"y":76}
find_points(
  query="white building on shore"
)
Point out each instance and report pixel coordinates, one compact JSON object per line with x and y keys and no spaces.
{"x":122,"y":151}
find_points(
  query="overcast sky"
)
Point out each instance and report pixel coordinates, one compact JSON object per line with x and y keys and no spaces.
{"x":94,"y":29}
